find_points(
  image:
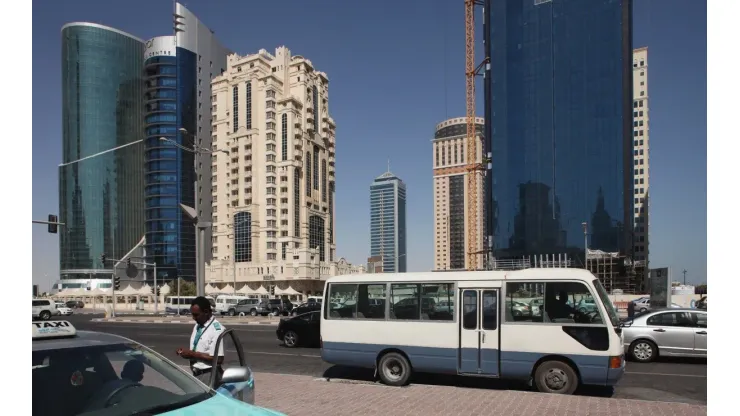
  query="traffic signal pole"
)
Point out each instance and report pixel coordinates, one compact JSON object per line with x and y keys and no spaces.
{"x":115,"y":280}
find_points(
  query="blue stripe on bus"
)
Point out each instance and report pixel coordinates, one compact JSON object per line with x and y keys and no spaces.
{"x":514,"y":364}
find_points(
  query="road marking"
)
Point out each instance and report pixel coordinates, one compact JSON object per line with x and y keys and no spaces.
{"x":282,"y":354}
{"x":664,"y":374}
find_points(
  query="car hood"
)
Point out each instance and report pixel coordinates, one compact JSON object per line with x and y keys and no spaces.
{"x":222,"y":405}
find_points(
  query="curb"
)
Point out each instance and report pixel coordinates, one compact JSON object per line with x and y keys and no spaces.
{"x":163,"y":321}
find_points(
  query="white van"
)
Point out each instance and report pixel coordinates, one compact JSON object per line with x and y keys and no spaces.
{"x":226,"y":302}
{"x":181,"y":305}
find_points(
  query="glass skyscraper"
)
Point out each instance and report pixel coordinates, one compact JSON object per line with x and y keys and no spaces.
{"x":101,"y":198}
{"x":388,"y":221}
{"x":178,"y":71}
{"x":561,"y":126}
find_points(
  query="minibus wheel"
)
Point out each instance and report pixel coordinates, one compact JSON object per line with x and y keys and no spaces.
{"x":394,"y":369}
{"x":556,"y":377}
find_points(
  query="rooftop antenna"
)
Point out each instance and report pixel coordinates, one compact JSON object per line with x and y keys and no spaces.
{"x":389,"y":165}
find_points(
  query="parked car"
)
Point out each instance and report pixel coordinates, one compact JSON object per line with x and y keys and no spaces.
{"x":44,"y":309}
{"x":275,"y":307}
{"x":666,"y":332}
{"x":301,"y":330}
{"x":75,"y":304}
{"x":244,"y":307}
{"x":63,"y":309}
{"x":305,"y":308}
{"x":586,"y":305}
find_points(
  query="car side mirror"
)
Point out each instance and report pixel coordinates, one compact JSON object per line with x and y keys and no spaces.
{"x":235,"y":375}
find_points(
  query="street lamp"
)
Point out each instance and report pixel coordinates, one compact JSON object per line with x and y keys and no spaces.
{"x":200,"y":226}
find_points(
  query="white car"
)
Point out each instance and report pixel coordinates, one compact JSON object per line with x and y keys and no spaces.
{"x":43,"y":309}
{"x":63,"y":309}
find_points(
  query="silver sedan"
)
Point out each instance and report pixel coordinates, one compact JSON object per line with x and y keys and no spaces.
{"x":667,"y":332}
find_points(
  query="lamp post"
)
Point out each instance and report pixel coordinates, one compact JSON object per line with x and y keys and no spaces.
{"x":585,"y":244}
{"x":200,"y":226}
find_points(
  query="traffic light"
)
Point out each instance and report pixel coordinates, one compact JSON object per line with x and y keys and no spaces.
{"x":117,"y":283}
{"x":128,"y":262}
{"x":102,"y":259}
{"x":272,"y":290}
{"x":157,"y":290}
{"x":53,"y":227}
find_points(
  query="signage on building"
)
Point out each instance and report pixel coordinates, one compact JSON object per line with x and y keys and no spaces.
{"x":268,"y":277}
{"x":160,"y":46}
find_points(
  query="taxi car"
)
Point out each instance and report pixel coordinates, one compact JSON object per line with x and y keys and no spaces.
{"x":92,"y":373}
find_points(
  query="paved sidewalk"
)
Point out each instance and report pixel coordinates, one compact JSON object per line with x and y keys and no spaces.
{"x":298,"y":395}
{"x":186,"y":320}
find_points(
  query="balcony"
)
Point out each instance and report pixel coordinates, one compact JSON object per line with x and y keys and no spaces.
{"x":309,"y":118}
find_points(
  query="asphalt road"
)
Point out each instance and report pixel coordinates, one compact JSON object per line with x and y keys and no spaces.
{"x":672,"y":380}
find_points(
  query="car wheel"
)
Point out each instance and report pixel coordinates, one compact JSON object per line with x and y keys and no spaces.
{"x":643,"y":310}
{"x":582,"y":310}
{"x":394,"y":369}
{"x":294,"y":313}
{"x":290,"y":339}
{"x":253,"y":312}
{"x":275,"y":312}
{"x":232,"y":312}
{"x":242,"y":314}
{"x":643,"y":351}
{"x":45,"y":315}
{"x":555,"y":377}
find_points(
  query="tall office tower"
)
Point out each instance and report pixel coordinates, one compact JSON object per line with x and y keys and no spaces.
{"x":101,"y":198}
{"x":178,"y":71}
{"x":388,"y":222}
{"x":450,"y":150}
{"x":561,"y":118}
{"x":274,"y":191}
{"x":641,"y":153}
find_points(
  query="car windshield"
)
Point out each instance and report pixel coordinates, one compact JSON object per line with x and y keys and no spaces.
{"x":601,"y":292}
{"x":117,"y":379}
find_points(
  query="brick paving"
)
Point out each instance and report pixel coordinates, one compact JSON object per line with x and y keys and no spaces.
{"x":297,"y":395}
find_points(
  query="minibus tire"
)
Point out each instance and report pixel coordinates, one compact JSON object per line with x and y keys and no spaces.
{"x":394,"y":369}
{"x":552,"y":373}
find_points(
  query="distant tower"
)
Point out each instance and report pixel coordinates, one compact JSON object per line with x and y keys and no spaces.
{"x":388,"y":221}
{"x":450,"y":187}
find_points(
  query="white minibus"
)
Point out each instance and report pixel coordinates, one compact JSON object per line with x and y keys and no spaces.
{"x":180,"y":305}
{"x":517,"y":325}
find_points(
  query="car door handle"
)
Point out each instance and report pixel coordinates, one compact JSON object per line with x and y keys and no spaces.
{"x":659,"y":330}
{"x":483,"y":339}
{"x":702,"y":332}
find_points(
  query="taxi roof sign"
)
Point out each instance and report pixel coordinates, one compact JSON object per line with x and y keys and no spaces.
{"x":52,"y":329}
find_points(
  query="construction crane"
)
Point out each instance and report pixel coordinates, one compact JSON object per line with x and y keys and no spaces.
{"x":474,"y":168}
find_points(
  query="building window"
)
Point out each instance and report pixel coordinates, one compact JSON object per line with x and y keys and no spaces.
{"x":323,"y":180}
{"x":249,"y":105}
{"x":236,"y":108}
{"x":308,"y":173}
{"x":315,"y":167}
{"x":297,"y":203}
{"x":284,"y":126}
{"x":316,"y":235}
{"x":436,"y":155}
{"x":315,"y":109}
{"x":243,"y":237}
{"x":284,"y":250}
{"x":331,"y":214}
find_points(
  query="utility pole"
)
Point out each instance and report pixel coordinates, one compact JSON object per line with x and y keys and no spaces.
{"x":684,"y":277}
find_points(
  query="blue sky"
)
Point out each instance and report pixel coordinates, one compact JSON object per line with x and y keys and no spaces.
{"x":395,"y":70}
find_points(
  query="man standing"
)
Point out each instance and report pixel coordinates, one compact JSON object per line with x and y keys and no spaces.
{"x":203,"y":342}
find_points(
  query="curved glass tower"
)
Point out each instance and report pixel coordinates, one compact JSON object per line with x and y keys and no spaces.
{"x":101,"y":199}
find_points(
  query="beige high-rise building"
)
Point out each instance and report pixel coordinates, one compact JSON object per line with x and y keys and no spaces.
{"x":641,"y":163}
{"x":273,"y":193}
{"x":449,"y":159}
